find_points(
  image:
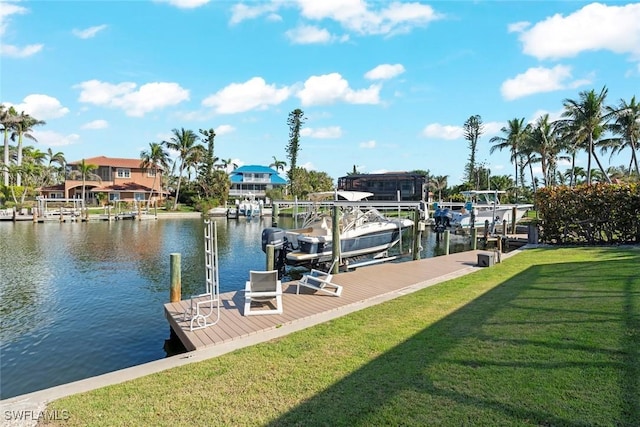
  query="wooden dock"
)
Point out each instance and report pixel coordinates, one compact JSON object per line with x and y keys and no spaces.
{"x":359,"y":286}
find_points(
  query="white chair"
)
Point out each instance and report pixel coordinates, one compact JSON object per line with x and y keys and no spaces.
{"x":263,"y":288}
{"x":320,"y":281}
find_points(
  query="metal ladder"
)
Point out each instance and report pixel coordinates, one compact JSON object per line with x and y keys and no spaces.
{"x":206,"y":307}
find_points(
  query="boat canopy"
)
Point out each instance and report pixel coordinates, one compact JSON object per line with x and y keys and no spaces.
{"x":351,"y":196}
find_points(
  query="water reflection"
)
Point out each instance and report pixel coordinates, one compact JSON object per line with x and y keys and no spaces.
{"x":82,"y":299}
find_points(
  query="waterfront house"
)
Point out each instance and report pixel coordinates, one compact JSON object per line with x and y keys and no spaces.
{"x":254,"y":180}
{"x":120,"y":180}
{"x":385,"y":186}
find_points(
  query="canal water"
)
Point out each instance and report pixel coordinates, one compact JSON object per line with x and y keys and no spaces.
{"x":82,"y":299}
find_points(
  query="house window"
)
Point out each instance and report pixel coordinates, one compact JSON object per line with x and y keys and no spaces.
{"x":56,"y":195}
{"x":123,"y":173}
{"x":114,"y":196}
{"x":138,"y":197}
{"x":151,"y":173}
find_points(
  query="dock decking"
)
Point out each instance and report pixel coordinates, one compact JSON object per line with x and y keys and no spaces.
{"x":359,"y":286}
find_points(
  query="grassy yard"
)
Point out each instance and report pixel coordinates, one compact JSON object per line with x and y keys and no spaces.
{"x":548,"y":337}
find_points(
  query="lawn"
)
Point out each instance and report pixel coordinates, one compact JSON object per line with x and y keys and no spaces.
{"x":548,"y":337}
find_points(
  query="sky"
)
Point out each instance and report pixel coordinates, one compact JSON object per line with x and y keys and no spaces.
{"x":384,"y":86}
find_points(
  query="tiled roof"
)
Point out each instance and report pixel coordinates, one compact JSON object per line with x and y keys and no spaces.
{"x":111,"y":161}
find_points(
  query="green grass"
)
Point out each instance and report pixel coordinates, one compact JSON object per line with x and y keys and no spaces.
{"x":548,"y":337}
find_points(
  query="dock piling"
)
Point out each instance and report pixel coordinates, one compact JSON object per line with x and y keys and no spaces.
{"x":446,"y":241}
{"x":271,"y":257}
{"x":175,"y":293}
{"x":474,"y":239}
{"x":417,"y":234}
{"x":335,"y":243}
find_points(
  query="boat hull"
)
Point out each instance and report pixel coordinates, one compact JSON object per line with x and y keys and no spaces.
{"x":312,"y":248}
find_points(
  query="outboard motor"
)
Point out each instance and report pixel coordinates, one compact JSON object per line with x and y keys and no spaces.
{"x":276,"y":237}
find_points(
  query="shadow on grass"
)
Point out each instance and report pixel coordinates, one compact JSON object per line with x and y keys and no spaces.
{"x":535,"y":350}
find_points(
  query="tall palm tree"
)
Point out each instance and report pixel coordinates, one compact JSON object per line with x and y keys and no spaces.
{"x":586,"y":120}
{"x":627,"y":125}
{"x":544,"y":140}
{"x":278,"y":164}
{"x":516,"y":133}
{"x":184,"y":142}
{"x":84,"y":172}
{"x":22,"y":128}
{"x":155,"y":158}
{"x":8,"y":118}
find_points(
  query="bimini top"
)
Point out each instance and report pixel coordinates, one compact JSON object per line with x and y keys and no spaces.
{"x":351,"y":196}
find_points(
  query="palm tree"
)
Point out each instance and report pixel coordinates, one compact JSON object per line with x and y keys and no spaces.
{"x":7,"y":120}
{"x":278,"y":164}
{"x":55,"y":158}
{"x":516,"y":134}
{"x":228,"y":162}
{"x":545,"y":142}
{"x":438,"y":183}
{"x":586,"y":121}
{"x":184,"y":142}
{"x":627,"y":125}
{"x":23,"y":127}
{"x":84,"y":172}
{"x":156,"y":158}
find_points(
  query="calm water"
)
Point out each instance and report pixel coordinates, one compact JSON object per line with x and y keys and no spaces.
{"x":82,"y":299}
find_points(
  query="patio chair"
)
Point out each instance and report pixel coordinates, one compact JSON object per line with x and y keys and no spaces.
{"x":320,"y":281}
{"x":263,"y":288}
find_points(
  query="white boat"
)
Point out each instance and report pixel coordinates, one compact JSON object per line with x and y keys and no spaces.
{"x":249,"y":207}
{"x":480,"y":206}
{"x":363,"y":231}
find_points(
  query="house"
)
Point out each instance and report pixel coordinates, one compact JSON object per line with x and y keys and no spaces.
{"x":254,"y":180}
{"x":120,"y":179}
{"x":385,"y":186}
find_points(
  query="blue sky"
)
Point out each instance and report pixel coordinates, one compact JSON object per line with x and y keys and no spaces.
{"x":385,"y":86}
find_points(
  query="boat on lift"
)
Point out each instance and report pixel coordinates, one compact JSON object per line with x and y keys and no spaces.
{"x":362,"y":229}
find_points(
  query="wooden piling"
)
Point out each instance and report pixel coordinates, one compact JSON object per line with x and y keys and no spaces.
{"x":504,"y":227}
{"x":474,"y":239}
{"x":417,"y":234}
{"x":175,"y":293}
{"x":271,"y":257}
{"x":34,"y":212}
{"x":446,"y":241}
{"x":275,"y":211}
{"x":514,"y":212}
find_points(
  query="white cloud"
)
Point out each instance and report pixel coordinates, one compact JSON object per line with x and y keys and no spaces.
{"x":96,"y":124}
{"x":538,"y":80}
{"x":308,"y":166}
{"x":135,"y":103}
{"x":594,"y":27}
{"x":492,"y":128}
{"x":241,"y":12}
{"x":49,"y":138}
{"x":42,"y":107}
{"x":368,"y":144}
{"x":356,"y":16}
{"x":385,"y":71}
{"x":224,"y":129}
{"x":20,"y":52}
{"x":308,"y":34}
{"x":185,"y":4}
{"x":331,"y":88}
{"x":88,"y":32}
{"x":518,"y":27}
{"x":322,"y":133}
{"x":6,"y":10}
{"x":250,"y":95}
{"x":436,"y":130}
